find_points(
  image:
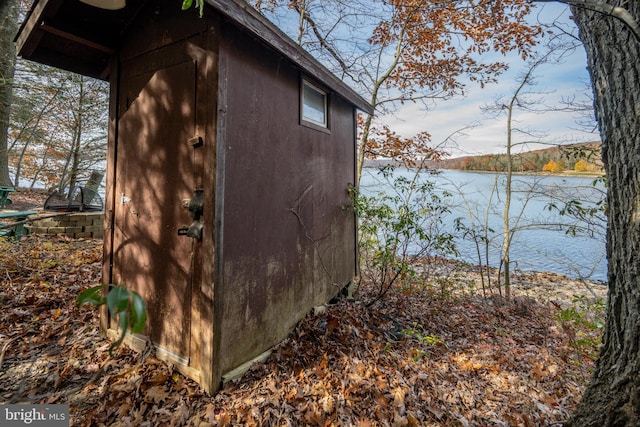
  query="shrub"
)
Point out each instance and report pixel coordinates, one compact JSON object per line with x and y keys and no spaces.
{"x":553,"y":166}
{"x":399,"y":226}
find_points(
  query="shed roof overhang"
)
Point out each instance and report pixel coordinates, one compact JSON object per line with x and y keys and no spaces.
{"x":75,"y":36}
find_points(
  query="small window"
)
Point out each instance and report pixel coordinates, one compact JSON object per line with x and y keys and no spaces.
{"x":314,"y":105}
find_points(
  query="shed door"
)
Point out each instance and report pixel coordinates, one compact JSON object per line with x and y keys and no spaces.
{"x":156,"y":169}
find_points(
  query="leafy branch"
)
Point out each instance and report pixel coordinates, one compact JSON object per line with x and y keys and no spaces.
{"x":397,"y":232}
{"x":128,"y":307}
{"x":199,"y":4}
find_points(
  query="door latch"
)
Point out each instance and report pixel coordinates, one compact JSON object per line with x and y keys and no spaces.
{"x":194,"y":230}
{"x":196,"y":206}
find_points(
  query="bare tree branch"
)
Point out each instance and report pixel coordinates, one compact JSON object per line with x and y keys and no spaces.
{"x":617,"y":12}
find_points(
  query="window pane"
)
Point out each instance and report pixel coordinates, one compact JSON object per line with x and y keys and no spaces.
{"x":314,"y":105}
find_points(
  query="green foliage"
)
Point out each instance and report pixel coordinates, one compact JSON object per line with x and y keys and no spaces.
{"x":399,"y":229}
{"x":199,"y":4}
{"x":585,"y":314}
{"x":418,"y":332}
{"x":589,"y":152}
{"x":128,"y":307}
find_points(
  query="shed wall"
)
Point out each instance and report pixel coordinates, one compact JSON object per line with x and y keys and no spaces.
{"x":287,"y":243}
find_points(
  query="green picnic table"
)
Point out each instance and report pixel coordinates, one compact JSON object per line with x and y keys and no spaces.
{"x":4,"y":196}
{"x":18,"y":230}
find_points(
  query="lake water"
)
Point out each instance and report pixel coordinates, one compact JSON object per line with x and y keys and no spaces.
{"x":478,"y":200}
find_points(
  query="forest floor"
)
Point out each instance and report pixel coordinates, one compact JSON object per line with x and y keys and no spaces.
{"x":437,"y":353}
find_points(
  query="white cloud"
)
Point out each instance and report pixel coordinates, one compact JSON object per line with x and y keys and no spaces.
{"x":563,"y":81}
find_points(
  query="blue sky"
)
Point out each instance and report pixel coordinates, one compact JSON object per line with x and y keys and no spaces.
{"x":566,"y":80}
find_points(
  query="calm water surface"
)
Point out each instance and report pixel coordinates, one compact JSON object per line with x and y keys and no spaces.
{"x":478,"y":199}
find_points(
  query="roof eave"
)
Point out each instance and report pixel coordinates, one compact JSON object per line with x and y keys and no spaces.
{"x":242,"y":14}
{"x":238,"y":12}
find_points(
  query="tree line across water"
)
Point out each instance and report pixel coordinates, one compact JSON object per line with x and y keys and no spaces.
{"x":582,"y":157}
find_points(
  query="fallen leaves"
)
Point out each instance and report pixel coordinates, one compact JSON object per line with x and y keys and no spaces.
{"x":419,"y":359}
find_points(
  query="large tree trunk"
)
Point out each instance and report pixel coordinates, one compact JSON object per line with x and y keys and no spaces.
{"x":613,"y":396}
{"x":8,"y":27}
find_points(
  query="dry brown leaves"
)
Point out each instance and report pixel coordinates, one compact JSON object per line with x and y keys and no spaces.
{"x":47,"y":344}
{"x":419,"y":358}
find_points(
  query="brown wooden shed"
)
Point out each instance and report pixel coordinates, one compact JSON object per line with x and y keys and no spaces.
{"x":230,"y":153}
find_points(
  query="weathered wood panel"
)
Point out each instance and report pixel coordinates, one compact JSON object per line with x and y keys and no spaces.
{"x":288,"y":244}
{"x":154,"y":175}
{"x":166,"y":97}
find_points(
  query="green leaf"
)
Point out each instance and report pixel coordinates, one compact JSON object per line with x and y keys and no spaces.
{"x":118,"y":300}
{"x":123,"y":321}
{"x":186,"y":4}
{"x":127,"y":306}
{"x":138,"y":310}
{"x":92,"y":296}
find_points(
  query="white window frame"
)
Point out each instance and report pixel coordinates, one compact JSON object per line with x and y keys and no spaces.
{"x":307,"y":119}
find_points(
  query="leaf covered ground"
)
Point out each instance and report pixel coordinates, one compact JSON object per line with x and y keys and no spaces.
{"x":438,"y":354}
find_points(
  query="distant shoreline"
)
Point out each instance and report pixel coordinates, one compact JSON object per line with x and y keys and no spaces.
{"x":569,"y":173}
{"x":581,"y":159}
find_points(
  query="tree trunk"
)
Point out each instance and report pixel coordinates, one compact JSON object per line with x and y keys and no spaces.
{"x":613,"y":396}
{"x":506,"y":227}
{"x":77,"y":137}
{"x":17,"y":168}
{"x":8,"y":27}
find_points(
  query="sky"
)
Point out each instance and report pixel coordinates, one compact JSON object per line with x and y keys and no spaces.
{"x":485,"y":134}
{"x":488,"y":135}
